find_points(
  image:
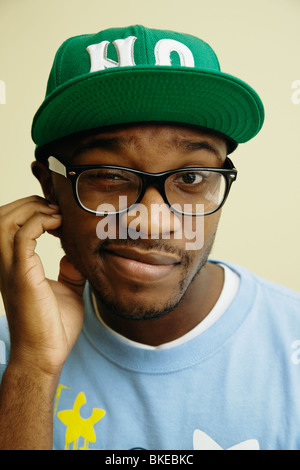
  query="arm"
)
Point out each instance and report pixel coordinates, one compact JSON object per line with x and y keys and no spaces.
{"x":44,"y":317}
{"x":26,"y":410}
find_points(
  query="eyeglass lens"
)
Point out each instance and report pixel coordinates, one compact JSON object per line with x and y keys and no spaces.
{"x":190,"y":191}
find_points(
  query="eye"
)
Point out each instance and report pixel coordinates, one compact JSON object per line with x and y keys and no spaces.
{"x":105,"y":180}
{"x":192,"y":177}
{"x":105,"y":176}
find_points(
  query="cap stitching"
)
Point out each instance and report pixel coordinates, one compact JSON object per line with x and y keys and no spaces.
{"x":145,"y":44}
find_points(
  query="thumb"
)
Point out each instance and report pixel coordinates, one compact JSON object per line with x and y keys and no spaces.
{"x":70,"y":276}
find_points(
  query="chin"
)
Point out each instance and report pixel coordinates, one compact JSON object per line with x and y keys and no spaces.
{"x":136,"y":307}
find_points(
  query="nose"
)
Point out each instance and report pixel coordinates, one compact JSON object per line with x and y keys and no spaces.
{"x":151,"y":218}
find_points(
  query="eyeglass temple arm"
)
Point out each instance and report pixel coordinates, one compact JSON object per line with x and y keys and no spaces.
{"x":56,"y":166}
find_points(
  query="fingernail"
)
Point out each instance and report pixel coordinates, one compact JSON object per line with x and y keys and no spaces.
{"x":56,"y":216}
{"x":53,"y":206}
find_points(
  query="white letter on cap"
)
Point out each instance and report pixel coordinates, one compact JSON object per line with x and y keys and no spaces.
{"x":98,"y":54}
{"x":163,"y":50}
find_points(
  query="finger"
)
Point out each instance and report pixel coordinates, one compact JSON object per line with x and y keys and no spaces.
{"x":20,"y":260}
{"x":71,"y":277}
{"x":7,"y":208}
{"x":25,"y":238}
{"x":15,"y":215}
{"x":15,"y":218}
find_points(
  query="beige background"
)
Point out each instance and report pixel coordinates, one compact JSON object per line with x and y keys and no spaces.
{"x":257,"y":40}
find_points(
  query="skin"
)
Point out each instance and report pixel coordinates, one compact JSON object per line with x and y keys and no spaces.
{"x":192,"y":286}
{"x":45,"y":317}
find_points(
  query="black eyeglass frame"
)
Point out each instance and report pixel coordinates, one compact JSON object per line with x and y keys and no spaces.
{"x":157,"y":180}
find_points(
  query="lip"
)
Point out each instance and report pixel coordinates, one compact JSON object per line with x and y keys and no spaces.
{"x":141,"y":266}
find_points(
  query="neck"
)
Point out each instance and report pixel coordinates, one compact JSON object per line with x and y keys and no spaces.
{"x":198,"y":301}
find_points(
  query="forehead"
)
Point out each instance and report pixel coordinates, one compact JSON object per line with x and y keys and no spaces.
{"x":149,"y":138}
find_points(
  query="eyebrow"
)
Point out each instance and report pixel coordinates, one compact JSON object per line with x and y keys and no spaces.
{"x":199,"y":145}
{"x":108,"y":143}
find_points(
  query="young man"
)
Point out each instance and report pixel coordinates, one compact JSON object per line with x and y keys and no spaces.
{"x":142,"y":343}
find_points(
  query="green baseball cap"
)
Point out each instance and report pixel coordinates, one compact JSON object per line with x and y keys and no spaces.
{"x":138,"y":75}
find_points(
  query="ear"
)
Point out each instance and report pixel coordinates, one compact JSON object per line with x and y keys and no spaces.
{"x":43,"y":174}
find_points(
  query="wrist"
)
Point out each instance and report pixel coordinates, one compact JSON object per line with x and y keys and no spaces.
{"x":34,"y":363}
{"x":19,"y":370}
{"x":26,"y":408}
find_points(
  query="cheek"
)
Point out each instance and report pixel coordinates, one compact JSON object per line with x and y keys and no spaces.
{"x":79,"y":228}
{"x":78,"y":231}
{"x":77,"y":225}
{"x":198,"y":233}
{"x":79,"y":241}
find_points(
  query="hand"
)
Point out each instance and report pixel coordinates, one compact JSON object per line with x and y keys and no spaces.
{"x":45,"y":317}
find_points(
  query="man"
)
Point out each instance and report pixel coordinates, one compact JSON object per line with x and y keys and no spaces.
{"x":142,"y":343}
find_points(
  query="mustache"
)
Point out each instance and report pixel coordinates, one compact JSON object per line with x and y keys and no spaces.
{"x":145,"y":245}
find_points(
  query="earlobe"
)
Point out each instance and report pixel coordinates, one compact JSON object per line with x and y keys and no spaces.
{"x":42,"y":173}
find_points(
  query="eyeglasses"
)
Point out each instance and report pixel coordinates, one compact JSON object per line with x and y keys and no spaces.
{"x":188,"y":191}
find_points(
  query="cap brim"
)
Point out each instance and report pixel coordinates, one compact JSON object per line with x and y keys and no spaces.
{"x":123,"y":95}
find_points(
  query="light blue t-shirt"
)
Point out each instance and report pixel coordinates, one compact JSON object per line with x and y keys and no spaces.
{"x":235,"y":386}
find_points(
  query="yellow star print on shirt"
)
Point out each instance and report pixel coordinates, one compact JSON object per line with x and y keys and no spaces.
{"x":77,"y":426}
